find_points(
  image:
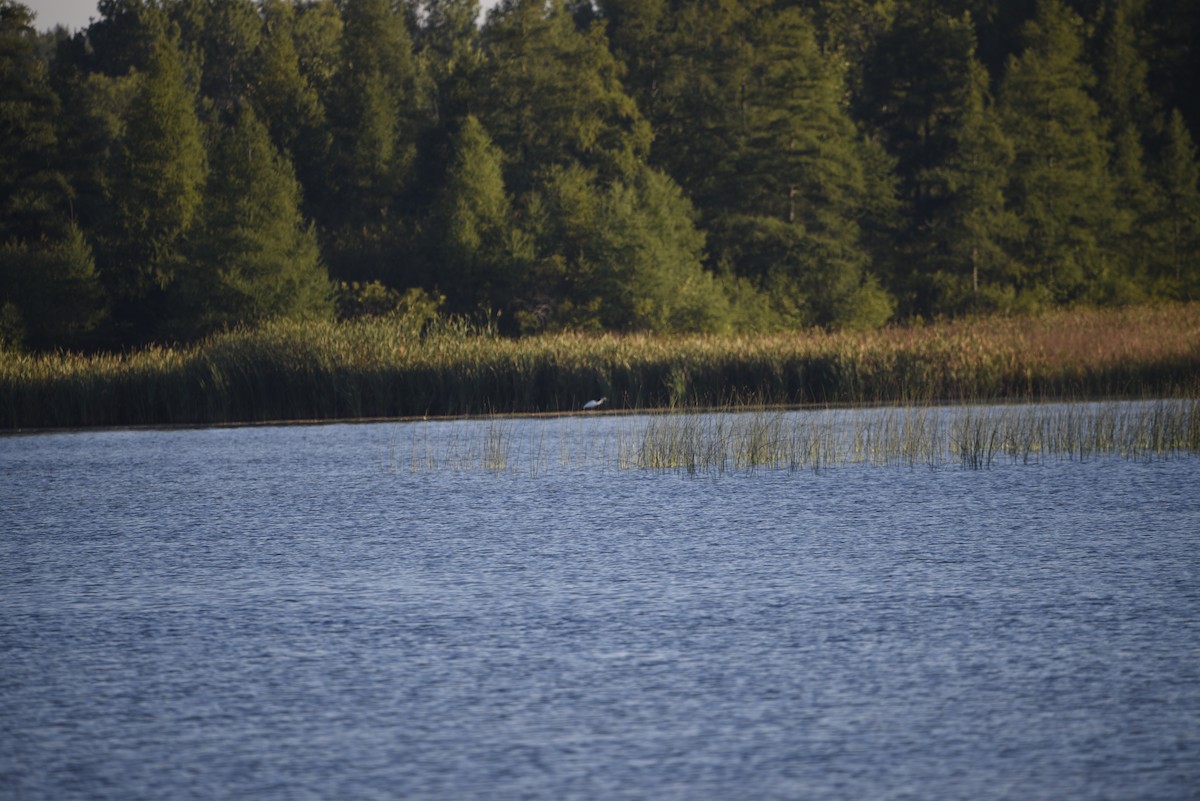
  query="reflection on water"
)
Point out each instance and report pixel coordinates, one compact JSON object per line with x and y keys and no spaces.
{"x":349,"y":612}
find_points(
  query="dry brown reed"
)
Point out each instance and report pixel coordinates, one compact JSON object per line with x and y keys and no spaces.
{"x":391,"y":368}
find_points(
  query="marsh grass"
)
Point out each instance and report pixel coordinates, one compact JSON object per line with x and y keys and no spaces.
{"x":389,"y":368}
{"x":745,"y":441}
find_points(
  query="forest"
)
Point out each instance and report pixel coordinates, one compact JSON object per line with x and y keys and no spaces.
{"x":180,"y":168}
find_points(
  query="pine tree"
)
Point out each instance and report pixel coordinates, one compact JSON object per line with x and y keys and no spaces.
{"x":474,"y":221}
{"x":255,"y":257}
{"x":32,"y":188}
{"x":50,"y":292}
{"x":1061,"y":191}
{"x":551,"y":95}
{"x":373,"y":120}
{"x":285,"y":98}
{"x":1123,"y":74}
{"x":636,"y":33}
{"x":449,"y":47}
{"x":927,"y":93}
{"x":1176,"y":229}
{"x":970,"y":231}
{"x":158,"y":187}
{"x":229,"y":41}
{"x":762,"y":141}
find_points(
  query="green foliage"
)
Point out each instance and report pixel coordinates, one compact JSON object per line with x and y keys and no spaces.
{"x":1061,"y":189}
{"x":551,"y":95}
{"x":373,"y":118}
{"x":449,"y":47}
{"x":657,"y":165}
{"x":254,"y":257}
{"x":643,"y":269}
{"x":50,"y":292}
{"x":929,"y":96}
{"x":474,"y":218}
{"x":228,"y":43}
{"x":159,"y":181}
{"x":1177,"y":226}
{"x":32,"y":189}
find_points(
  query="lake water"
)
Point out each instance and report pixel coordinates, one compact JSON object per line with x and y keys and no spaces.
{"x":333,"y":613}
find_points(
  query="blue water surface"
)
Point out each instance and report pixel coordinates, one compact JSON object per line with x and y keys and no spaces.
{"x":324,"y":613}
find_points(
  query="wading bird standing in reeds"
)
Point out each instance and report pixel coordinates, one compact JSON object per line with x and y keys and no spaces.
{"x":594,"y":404}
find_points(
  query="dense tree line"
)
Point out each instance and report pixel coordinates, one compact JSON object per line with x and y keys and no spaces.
{"x":180,"y":166}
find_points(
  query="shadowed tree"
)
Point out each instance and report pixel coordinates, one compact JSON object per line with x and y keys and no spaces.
{"x":285,"y":98}
{"x":551,"y":95}
{"x":33,"y":190}
{"x":49,"y":292}
{"x":925,"y":91}
{"x":373,"y":122}
{"x":255,"y":258}
{"x":1060,"y":190}
{"x":157,"y":189}
{"x":473,"y":224}
{"x":1176,"y":228}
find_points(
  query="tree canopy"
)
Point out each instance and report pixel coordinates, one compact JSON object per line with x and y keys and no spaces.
{"x":182,"y":166}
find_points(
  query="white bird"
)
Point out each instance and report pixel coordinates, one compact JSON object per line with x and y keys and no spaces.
{"x":594,"y":404}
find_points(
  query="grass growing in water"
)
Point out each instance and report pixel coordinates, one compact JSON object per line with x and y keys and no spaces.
{"x":973,"y":437}
{"x":392,"y":368}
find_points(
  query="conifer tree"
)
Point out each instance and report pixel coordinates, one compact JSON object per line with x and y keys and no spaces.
{"x":122,"y":38}
{"x":318,"y":39}
{"x":286,"y":100}
{"x":49,"y":291}
{"x":1176,"y":229}
{"x":762,"y":140}
{"x":927,"y":93}
{"x":551,"y":95}
{"x":373,"y":123}
{"x":1123,"y":74}
{"x":158,"y":187}
{"x":969,"y":233}
{"x":255,"y":257}
{"x":229,"y":41}
{"x":449,"y":44}
{"x":474,"y":220}
{"x":1061,"y":191}
{"x":32,"y":188}
{"x":636,"y":33}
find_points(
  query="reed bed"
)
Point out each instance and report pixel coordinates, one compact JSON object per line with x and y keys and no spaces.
{"x":716,"y":443}
{"x":389,"y":367}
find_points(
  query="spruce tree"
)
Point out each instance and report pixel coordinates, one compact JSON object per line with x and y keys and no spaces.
{"x":254,"y":258}
{"x":1176,"y":228}
{"x":927,"y":93}
{"x":970,"y":231}
{"x":373,"y":120}
{"x":762,"y":141}
{"x":50,"y":292}
{"x":285,"y":98}
{"x":1061,"y":191}
{"x":551,"y":95}
{"x":1123,"y":71}
{"x":157,"y":188}
{"x":449,"y":46}
{"x":474,"y":224}
{"x":32,"y":188}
